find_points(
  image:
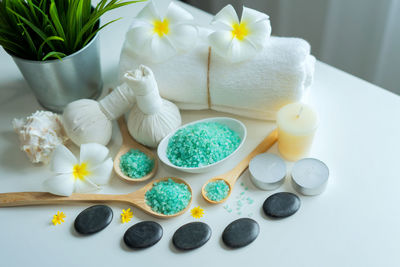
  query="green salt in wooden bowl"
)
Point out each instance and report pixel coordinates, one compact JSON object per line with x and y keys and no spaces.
{"x":233,"y":124}
{"x":129,"y":143}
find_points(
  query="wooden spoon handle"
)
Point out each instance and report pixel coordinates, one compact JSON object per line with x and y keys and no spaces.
{"x":265,"y":144}
{"x":124,"y":129}
{"x":42,"y":198}
{"x":127,"y":139}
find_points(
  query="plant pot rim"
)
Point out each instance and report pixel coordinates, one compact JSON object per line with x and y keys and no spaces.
{"x":55,"y":60}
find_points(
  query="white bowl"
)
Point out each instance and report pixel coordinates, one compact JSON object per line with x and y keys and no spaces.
{"x":233,"y":124}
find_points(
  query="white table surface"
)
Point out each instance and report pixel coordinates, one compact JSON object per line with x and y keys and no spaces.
{"x":355,"y":222}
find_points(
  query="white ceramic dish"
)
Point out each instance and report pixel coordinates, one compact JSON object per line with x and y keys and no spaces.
{"x":233,"y":124}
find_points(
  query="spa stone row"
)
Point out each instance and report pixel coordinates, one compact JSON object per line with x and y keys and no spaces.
{"x":238,"y":233}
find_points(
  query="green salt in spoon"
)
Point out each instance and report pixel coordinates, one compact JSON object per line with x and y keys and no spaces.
{"x":129,"y":143}
{"x":231,"y":176}
{"x":168,"y":197}
{"x":136,"y":199}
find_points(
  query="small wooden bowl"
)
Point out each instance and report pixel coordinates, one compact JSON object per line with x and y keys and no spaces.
{"x":128,"y":179}
{"x":129,"y":143}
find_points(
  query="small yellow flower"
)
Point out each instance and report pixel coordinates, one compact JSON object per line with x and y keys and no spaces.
{"x":58,"y":218}
{"x":197,"y":212}
{"x":126,"y":215}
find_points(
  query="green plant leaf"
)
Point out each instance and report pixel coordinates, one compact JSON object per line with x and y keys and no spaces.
{"x":79,"y":14}
{"x":37,"y":30}
{"x":96,"y":31}
{"x":56,"y":20}
{"x":29,"y":39}
{"x":54,"y":54}
{"x":22,"y":9}
{"x":11,"y":34}
{"x":47,"y":24}
{"x":2,"y":40}
{"x":11,"y":46}
{"x":96,"y":16}
{"x":49,"y":39}
{"x":31,"y":6}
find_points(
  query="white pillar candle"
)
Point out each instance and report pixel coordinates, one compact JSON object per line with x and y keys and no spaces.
{"x":297,"y":123}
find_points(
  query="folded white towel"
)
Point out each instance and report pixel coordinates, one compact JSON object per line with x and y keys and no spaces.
{"x":256,"y":88}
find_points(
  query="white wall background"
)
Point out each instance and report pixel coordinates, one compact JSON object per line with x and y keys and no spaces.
{"x":361,"y":37}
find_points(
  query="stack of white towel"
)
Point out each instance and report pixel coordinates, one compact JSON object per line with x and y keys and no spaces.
{"x":256,"y":88}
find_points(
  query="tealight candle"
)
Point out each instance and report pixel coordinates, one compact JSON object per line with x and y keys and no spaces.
{"x":297,"y":123}
{"x":310,"y":176}
{"x":267,"y":171}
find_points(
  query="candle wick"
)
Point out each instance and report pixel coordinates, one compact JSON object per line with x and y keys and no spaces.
{"x":300,"y":111}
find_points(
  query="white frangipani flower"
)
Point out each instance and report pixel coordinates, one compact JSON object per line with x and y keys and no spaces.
{"x":71,"y":175}
{"x":240,"y":40}
{"x":159,"y":38}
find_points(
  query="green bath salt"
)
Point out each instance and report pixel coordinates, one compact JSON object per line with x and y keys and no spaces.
{"x":217,"y":190}
{"x":202,"y":144}
{"x":136,"y":164}
{"x":168,"y":197}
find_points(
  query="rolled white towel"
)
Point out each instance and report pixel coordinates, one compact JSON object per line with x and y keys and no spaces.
{"x":256,"y":88}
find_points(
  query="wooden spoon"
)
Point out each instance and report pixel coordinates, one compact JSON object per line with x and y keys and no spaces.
{"x":231,"y":176}
{"x":136,"y":199}
{"x":129,"y":143}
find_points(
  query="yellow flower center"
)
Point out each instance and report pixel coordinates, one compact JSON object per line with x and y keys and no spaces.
{"x":240,"y":30}
{"x":80,"y":171}
{"x":161,"y":27}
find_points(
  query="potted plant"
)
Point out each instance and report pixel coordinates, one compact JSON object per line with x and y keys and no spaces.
{"x":55,"y":45}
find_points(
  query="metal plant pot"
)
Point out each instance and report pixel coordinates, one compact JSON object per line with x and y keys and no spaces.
{"x":56,"y":83}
